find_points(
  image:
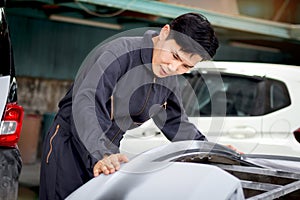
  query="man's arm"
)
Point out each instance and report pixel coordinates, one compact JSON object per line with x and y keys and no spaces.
{"x":92,"y":93}
{"x":174,"y":122}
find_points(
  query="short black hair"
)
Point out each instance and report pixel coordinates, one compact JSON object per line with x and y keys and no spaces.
{"x":193,"y":28}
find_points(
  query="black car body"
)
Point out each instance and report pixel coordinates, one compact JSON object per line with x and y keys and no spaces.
{"x":11,"y":115}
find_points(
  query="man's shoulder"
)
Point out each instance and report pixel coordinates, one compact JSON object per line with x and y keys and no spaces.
{"x":123,"y":44}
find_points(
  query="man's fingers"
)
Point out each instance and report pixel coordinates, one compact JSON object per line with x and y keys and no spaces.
{"x":96,"y":172}
{"x":116,"y":164}
{"x":117,"y":159}
{"x":105,"y":170}
{"x":122,"y":158}
{"x":109,"y":164}
{"x":99,"y":168}
{"x":234,"y":149}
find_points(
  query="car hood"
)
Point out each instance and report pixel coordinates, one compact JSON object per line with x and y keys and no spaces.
{"x":151,"y":176}
{"x":189,"y":170}
{"x":174,"y":181}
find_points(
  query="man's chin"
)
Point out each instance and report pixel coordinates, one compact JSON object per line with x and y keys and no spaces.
{"x":163,"y":75}
{"x":160,"y":75}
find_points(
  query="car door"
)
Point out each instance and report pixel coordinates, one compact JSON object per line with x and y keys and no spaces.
{"x":5,"y":67}
{"x":280,"y":119}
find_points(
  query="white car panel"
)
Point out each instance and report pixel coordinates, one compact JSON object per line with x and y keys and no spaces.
{"x":144,"y":177}
{"x":170,"y":182}
{"x":4,"y":88}
{"x":197,"y":170}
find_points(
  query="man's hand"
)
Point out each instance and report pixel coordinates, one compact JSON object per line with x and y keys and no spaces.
{"x":109,"y":164}
{"x":234,"y":149}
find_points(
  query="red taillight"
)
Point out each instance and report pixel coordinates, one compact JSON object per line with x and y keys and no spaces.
{"x":297,"y":134}
{"x":11,"y":125}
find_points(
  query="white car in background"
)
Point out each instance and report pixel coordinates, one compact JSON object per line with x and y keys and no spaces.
{"x":252,"y":106}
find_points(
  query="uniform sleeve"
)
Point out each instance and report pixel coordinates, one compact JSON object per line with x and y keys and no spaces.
{"x":92,"y":93}
{"x":174,"y":123}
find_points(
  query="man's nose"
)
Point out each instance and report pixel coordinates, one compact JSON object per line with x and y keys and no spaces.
{"x":173,"y":66}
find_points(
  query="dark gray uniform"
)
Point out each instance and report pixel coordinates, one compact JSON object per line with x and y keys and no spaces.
{"x":114,"y":91}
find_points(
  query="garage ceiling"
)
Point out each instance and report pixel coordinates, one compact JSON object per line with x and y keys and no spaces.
{"x":218,"y":19}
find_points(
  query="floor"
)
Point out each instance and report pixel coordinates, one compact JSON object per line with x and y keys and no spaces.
{"x":29,"y":181}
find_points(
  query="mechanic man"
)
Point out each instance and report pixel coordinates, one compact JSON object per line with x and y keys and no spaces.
{"x":120,"y":85}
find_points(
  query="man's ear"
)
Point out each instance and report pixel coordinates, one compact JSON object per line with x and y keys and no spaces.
{"x":164,"y":32}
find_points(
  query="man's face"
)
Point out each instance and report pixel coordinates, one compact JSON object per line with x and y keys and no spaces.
{"x":168,"y":58}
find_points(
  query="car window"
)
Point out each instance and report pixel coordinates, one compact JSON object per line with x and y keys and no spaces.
{"x":6,"y":56}
{"x":7,"y":67}
{"x":205,"y":95}
{"x":278,"y":96}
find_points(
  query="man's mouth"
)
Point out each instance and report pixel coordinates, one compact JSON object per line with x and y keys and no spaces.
{"x":163,"y":72}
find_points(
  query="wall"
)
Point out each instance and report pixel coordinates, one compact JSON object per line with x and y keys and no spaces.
{"x":47,"y":56}
{"x":48,"y":49}
{"x":40,"y":95}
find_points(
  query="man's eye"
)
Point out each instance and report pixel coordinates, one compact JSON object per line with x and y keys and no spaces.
{"x":175,"y":56}
{"x":188,"y":67}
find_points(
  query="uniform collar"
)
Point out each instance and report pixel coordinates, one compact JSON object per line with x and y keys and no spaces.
{"x":147,"y":48}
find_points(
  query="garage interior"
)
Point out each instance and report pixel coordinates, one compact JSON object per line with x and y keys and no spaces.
{"x":51,"y":38}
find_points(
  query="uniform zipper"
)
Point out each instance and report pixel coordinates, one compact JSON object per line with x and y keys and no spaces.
{"x":112,"y":108}
{"x":165,"y":105}
{"x":51,"y":139}
{"x":115,"y":136}
{"x":143,"y":108}
{"x":147,"y":99}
